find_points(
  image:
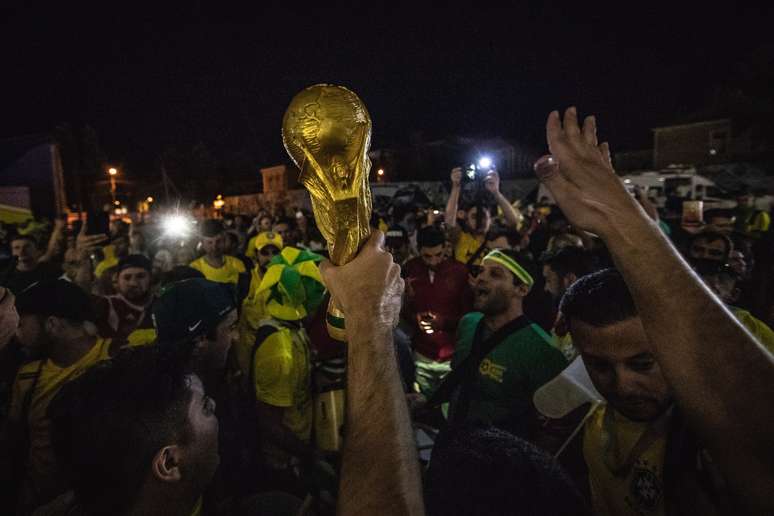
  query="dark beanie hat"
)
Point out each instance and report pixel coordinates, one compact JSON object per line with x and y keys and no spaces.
{"x":190,"y":308}
{"x":59,"y":298}
{"x":430,"y":236}
{"x":211,"y":228}
{"x":134,"y":260}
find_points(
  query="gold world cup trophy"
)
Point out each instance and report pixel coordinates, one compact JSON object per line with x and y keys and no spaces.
{"x":327,"y":132}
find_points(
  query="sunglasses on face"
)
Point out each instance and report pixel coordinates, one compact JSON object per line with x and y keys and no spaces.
{"x":269,"y":251}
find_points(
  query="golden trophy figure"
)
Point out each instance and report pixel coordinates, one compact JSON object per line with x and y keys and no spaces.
{"x":327,"y":132}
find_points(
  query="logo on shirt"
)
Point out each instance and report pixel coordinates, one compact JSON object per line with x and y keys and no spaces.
{"x":193,"y":328}
{"x":492,"y":370}
{"x":645,"y":488}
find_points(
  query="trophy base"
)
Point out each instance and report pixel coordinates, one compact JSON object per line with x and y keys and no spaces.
{"x":334,"y":322}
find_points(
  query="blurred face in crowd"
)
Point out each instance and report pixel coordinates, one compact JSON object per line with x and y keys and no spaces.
{"x":723,"y":284}
{"x":32,"y":335}
{"x":9,"y":317}
{"x":265,"y":254}
{"x":137,"y":240}
{"x":122,"y":246}
{"x":213,"y":350}
{"x":134,"y":284}
{"x":301,"y":221}
{"x":433,"y":256}
{"x":71,"y":263}
{"x":494,"y":289}
{"x":162,"y":262}
{"x":214,"y":247}
{"x":284,"y":230}
{"x":200,"y":451}
{"x":738,"y":263}
{"x":26,"y":252}
{"x":722,"y":223}
{"x":556,"y":285}
{"x":264,"y":224}
{"x":240,"y":223}
{"x":709,"y":249}
{"x":183,"y":256}
{"x":118,"y":227}
{"x":745,"y":201}
{"x":486,"y":220}
{"x":622,"y":368}
{"x":500,"y":242}
{"x":230,"y":244}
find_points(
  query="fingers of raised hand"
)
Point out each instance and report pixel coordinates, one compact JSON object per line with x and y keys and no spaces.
{"x":571,"y":128}
{"x":604,"y":152}
{"x":589,"y":130}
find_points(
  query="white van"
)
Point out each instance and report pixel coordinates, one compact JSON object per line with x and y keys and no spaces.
{"x":682,"y":183}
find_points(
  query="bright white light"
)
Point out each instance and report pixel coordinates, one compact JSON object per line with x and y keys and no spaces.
{"x":176,"y":226}
{"x":713,"y":152}
{"x":380,"y":172}
{"x":485,"y":162}
{"x":627,"y":181}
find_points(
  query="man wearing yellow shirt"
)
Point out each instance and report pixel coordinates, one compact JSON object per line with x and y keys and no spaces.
{"x":640,"y":454}
{"x":721,"y":278}
{"x":55,"y":329}
{"x":280,"y":362}
{"x":267,"y":245}
{"x":469,"y":244}
{"x":215,"y":264}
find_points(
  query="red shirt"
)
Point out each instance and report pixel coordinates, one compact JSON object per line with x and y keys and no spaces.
{"x":446,"y":294}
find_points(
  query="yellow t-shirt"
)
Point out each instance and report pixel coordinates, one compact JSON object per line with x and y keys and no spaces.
{"x":466,"y":246}
{"x":639,"y":491}
{"x":141,"y":337}
{"x":282,"y":378}
{"x":565,"y":345}
{"x":229,"y":273}
{"x":758,"y":328}
{"x":43,"y":478}
{"x":253,"y":312}
{"x":104,"y":265}
{"x":251,"y":252}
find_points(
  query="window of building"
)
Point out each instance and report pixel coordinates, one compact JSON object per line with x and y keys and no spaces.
{"x":718,"y":142}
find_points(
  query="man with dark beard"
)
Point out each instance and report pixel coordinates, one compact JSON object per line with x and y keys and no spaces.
{"x":126,"y":316}
{"x":502,"y":357}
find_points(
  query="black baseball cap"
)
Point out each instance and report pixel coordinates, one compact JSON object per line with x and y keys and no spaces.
{"x":190,"y":308}
{"x":134,"y":260}
{"x":59,"y":298}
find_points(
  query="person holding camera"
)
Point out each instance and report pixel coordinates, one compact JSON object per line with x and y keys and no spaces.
{"x":470,"y":243}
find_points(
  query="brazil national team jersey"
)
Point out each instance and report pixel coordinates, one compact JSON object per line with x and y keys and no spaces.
{"x":229,"y":273}
{"x":608,"y":439}
{"x":282,"y":378}
{"x":466,"y":246}
{"x":42,"y":381}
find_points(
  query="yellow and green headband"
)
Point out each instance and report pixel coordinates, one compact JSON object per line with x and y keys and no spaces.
{"x":509,"y":263}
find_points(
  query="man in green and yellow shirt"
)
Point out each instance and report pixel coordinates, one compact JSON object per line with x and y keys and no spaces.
{"x":499,"y":388}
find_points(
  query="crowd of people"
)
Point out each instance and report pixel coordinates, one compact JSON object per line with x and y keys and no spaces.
{"x":584,"y":356}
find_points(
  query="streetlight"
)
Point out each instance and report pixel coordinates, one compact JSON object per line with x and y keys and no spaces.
{"x":149,"y":199}
{"x":112,"y":172}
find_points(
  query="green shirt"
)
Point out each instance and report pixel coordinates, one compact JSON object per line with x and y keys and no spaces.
{"x":509,"y":375}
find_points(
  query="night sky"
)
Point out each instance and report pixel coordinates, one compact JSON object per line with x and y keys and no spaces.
{"x":193,"y":74}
